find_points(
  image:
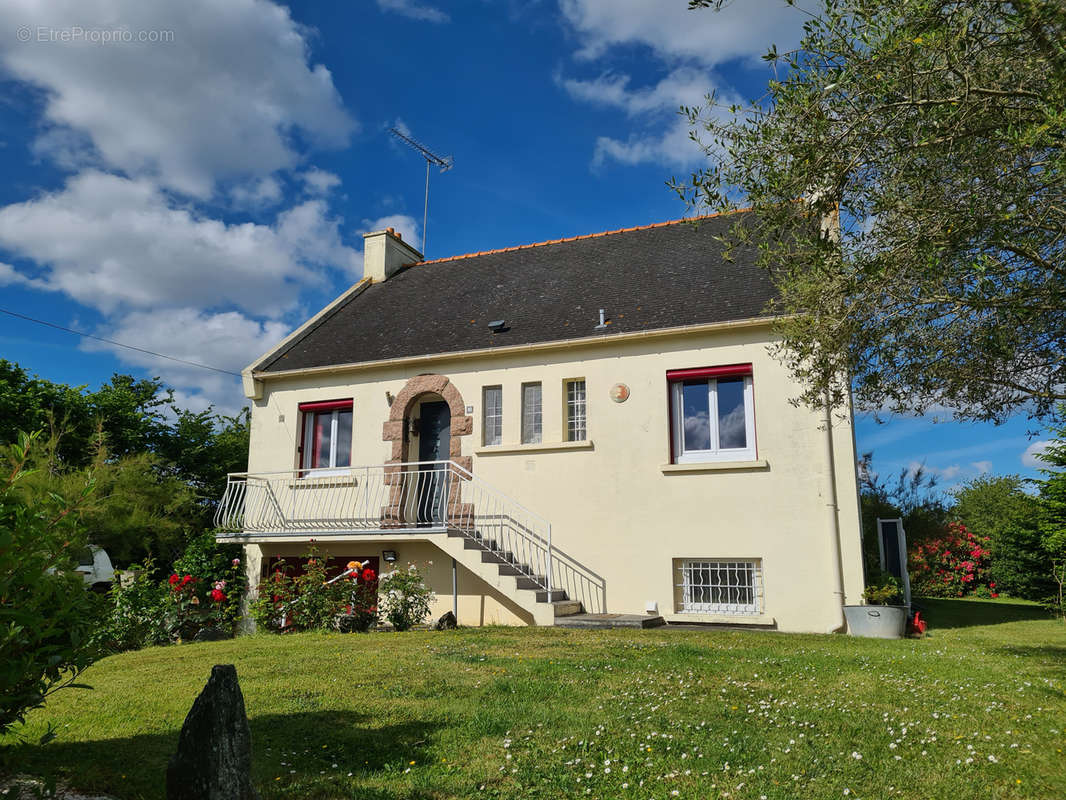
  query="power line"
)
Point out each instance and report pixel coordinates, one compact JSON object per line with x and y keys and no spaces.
{"x":117,"y":344}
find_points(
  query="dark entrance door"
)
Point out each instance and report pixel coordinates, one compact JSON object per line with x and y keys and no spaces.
{"x":434,"y":441}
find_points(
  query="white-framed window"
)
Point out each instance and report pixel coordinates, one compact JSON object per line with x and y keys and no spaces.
{"x":712,"y":414}
{"x":492,"y":415}
{"x":326,"y":440}
{"x":576,"y":410}
{"x":532,"y":417}
{"x":720,"y":587}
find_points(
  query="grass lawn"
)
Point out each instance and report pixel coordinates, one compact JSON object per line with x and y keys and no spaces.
{"x":974,"y":710}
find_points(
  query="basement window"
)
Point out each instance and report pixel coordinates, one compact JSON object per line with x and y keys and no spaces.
{"x":720,"y":587}
{"x":712,"y":414}
{"x":326,"y":441}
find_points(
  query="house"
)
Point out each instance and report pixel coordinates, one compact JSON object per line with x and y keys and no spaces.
{"x":593,"y":423}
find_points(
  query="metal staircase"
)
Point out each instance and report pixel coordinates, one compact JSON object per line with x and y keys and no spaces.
{"x":487,"y":531}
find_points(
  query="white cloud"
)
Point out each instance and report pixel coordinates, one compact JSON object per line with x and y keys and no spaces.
{"x":982,"y":466}
{"x":408,"y":227}
{"x":683,"y":86}
{"x":113,"y":243}
{"x":652,"y":105}
{"x":1029,"y":457}
{"x":941,"y":473}
{"x":689,"y":45}
{"x":414,"y":10}
{"x":319,"y":181}
{"x":220,"y":100}
{"x":744,"y":30}
{"x":258,"y":193}
{"x":228,"y":340}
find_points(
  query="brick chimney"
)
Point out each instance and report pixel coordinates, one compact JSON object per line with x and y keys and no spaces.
{"x":384,"y":252}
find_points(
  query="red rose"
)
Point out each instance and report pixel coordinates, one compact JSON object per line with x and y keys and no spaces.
{"x":187,"y":579}
{"x":173,"y":579}
{"x":995,"y":594}
{"x":217,"y":595}
{"x":369,"y":575}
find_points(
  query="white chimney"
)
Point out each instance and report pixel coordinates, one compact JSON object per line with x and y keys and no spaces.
{"x":384,"y":253}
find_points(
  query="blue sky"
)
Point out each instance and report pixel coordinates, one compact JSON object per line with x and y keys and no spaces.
{"x":194,"y":178}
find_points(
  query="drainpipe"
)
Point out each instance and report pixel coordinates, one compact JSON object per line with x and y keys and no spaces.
{"x":832,"y":512}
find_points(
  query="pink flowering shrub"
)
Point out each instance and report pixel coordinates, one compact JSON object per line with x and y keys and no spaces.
{"x":954,"y":564}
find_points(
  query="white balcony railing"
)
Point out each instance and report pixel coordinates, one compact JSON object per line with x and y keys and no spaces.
{"x":430,"y":496}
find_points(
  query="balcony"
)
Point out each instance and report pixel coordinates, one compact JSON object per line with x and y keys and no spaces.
{"x":436,"y":499}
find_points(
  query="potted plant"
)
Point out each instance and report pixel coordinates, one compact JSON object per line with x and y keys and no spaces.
{"x":884,"y":616}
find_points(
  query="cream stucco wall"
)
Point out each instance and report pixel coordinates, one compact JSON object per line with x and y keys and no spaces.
{"x":614,"y":505}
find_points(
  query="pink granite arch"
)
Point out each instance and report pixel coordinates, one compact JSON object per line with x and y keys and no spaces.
{"x":462,"y":425}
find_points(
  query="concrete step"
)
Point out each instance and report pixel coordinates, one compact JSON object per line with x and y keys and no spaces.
{"x":479,"y":544}
{"x":514,"y":569}
{"x":527,"y":582}
{"x":492,"y":557}
{"x":566,"y":608}
{"x":610,"y":621}
{"x":558,"y":595}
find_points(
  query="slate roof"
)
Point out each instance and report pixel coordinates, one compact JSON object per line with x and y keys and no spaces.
{"x":658,"y":276}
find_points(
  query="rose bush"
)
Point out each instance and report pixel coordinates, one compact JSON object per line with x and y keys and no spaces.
{"x":405,"y":597}
{"x":316,"y":600}
{"x":955,"y":564}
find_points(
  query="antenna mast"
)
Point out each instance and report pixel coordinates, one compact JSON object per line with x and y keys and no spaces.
{"x":444,"y":162}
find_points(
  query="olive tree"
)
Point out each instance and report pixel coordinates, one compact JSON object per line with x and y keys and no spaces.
{"x":932,"y":131}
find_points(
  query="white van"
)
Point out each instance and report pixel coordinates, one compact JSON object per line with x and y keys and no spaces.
{"x":94,"y":566}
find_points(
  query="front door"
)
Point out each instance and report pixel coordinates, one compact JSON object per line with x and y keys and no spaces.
{"x":434,"y":441}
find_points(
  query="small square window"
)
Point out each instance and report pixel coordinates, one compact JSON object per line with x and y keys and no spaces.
{"x":492,"y":415}
{"x":532,"y":419}
{"x":327,"y":435}
{"x":712,"y":414}
{"x":576,"y":411}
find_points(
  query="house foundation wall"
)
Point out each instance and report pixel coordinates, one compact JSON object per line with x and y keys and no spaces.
{"x":478,"y":603}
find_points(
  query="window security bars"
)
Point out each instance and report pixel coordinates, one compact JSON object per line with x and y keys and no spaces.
{"x":531,"y":413}
{"x":576,"y":429}
{"x":492,"y":424}
{"x":721,"y":587}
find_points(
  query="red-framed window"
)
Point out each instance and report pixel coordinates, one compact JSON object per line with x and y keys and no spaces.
{"x":712,"y":414}
{"x":326,"y":434}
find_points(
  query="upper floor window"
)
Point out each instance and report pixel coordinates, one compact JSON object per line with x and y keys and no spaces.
{"x":492,"y":421}
{"x":713,"y":414}
{"x":327,"y":435}
{"x":532,"y":420}
{"x":576,"y":424}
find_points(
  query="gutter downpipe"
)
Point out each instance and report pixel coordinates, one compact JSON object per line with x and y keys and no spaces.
{"x":832,"y":512}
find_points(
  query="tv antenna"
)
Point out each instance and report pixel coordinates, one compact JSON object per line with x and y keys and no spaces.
{"x":444,"y":162}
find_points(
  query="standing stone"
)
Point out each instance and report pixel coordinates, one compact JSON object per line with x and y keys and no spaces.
{"x":214,"y":758}
{"x":446,"y":622}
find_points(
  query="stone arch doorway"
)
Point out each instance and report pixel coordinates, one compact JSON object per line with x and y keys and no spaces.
{"x":443,"y":406}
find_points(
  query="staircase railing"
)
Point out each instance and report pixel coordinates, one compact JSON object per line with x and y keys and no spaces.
{"x":412,"y":496}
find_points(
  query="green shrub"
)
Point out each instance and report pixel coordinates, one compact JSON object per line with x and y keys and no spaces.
{"x":405,"y":598}
{"x":315,"y":600}
{"x":996,"y":508}
{"x":218,"y":579}
{"x":136,"y":615}
{"x":47,"y":616}
{"x":883,"y":590}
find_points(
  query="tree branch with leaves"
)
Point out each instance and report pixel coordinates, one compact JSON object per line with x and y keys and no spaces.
{"x":932,"y":133}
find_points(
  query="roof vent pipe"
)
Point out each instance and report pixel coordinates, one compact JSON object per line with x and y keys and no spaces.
{"x":603,"y":322}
